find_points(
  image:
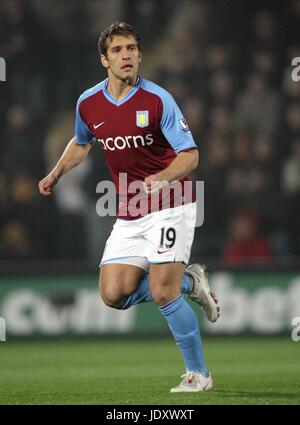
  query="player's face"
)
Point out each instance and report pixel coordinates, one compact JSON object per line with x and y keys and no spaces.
{"x":122,"y":58}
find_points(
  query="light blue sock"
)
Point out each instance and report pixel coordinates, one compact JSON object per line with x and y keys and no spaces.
{"x":185,"y":329}
{"x":143,"y":294}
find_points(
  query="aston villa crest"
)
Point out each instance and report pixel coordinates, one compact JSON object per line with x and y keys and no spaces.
{"x":142,"y":118}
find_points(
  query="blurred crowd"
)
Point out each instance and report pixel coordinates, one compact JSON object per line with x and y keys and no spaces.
{"x":228,"y":65}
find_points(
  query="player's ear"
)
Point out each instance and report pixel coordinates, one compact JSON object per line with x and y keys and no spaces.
{"x":104,"y":61}
{"x":140,"y":56}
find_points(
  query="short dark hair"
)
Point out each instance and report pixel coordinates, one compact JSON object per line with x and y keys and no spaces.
{"x":117,"y":28}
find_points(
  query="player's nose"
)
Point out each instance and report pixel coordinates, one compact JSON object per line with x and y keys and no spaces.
{"x":125,"y":57}
{"x":125,"y":54}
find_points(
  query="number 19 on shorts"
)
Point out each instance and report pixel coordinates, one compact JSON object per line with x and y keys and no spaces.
{"x":167,"y":237}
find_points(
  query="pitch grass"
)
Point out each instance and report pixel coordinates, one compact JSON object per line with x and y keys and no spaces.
{"x":245,"y":371}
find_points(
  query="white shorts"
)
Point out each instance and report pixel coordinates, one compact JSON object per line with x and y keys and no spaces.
{"x":160,"y":237}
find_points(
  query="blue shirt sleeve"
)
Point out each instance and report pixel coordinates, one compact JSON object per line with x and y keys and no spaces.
{"x":82,"y":132}
{"x":174,"y":127}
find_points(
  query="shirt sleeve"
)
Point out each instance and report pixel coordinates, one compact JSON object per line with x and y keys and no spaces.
{"x":174,"y":127}
{"x":82,"y":132}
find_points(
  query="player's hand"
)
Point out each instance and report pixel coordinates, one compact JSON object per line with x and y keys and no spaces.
{"x":46,"y":185}
{"x":152,"y":183}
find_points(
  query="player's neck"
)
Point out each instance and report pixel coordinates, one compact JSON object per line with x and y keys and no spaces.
{"x":119,"y":89}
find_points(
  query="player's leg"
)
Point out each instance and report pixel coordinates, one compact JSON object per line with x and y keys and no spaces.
{"x":143,"y":293}
{"x":123,"y":265}
{"x":122,"y":286}
{"x":170,"y":235}
{"x":165,"y":282}
{"x":118,"y":281}
{"x":125,"y":284}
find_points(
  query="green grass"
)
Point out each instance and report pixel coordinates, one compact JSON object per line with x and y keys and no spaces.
{"x":245,"y":371}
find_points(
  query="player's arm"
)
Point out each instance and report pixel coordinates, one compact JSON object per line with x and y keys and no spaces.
{"x":73,"y":155}
{"x":176,"y":131}
{"x":182,"y":165}
{"x":75,"y":152}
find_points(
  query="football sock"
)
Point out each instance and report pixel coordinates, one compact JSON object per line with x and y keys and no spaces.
{"x":185,"y":329}
{"x":143,"y":293}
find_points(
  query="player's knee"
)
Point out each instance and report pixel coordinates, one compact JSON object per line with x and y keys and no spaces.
{"x":113,"y":303}
{"x":162,"y":295}
{"x":112,"y":299}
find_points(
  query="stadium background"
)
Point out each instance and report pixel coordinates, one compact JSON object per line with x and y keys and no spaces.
{"x":228,"y":65}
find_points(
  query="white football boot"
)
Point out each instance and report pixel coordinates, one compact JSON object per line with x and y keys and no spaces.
{"x":201,"y":292}
{"x":193,"y":382}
